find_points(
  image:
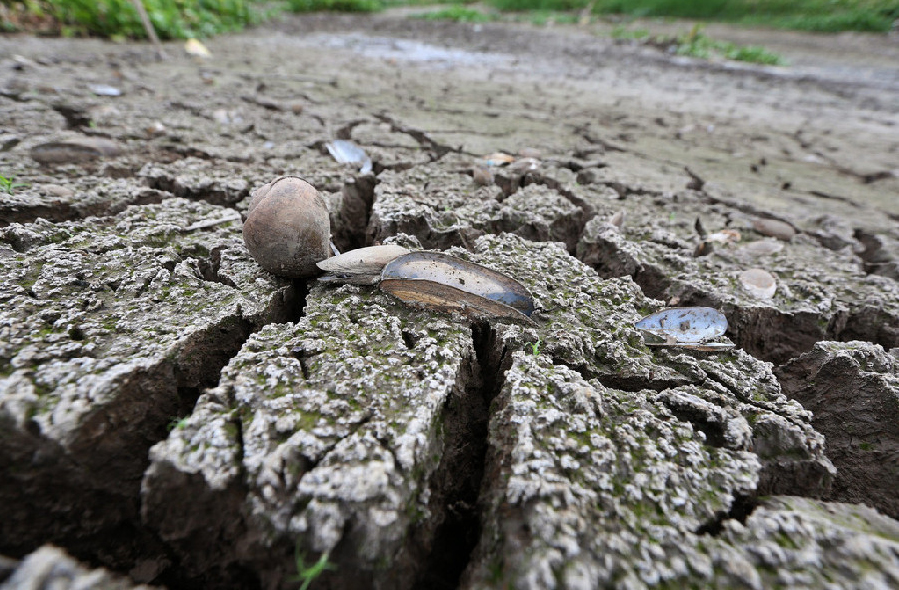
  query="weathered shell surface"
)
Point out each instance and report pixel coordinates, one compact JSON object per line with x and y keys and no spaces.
{"x":685,"y":325}
{"x":452,"y":284}
{"x":287,"y":228}
{"x":759,"y":283}
{"x":362,"y":266}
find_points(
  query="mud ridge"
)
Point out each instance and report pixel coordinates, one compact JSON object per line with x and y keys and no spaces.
{"x":105,"y":528}
{"x":761,"y":330}
{"x":174,"y":575}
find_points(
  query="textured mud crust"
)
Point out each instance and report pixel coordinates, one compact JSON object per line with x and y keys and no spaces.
{"x":820,"y":379}
{"x":173,"y":412}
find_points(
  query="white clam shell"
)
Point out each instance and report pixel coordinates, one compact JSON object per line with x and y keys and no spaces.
{"x":369,"y":260}
{"x":758,"y":283}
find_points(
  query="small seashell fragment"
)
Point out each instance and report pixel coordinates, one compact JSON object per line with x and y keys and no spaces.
{"x":104,"y":90}
{"x":155,"y":128}
{"x":498,"y":159}
{"x":724,"y":236}
{"x":347,"y":152}
{"x":524,"y":165}
{"x":758,"y":283}
{"x":617,"y":219}
{"x":774,"y":228}
{"x":362,"y":266}
{"x":195,"y":48}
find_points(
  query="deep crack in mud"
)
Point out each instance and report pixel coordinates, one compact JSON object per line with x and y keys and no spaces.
{"x":457,"y":483}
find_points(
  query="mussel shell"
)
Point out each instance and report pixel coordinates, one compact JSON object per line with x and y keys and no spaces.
{"x":448,"y":299}
{"x":361,"y":266}
{"x":685,"y":325}
{"x":370,"y":260}
{"x":701,"y":347}
{"x":452,"y":284}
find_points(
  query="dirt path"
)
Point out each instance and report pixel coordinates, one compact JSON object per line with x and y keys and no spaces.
{"x":825,"y":128}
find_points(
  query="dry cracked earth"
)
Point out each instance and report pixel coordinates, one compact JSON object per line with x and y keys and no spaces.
{"x":173,"y":415}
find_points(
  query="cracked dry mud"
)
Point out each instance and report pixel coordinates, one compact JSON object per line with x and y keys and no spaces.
{"x":171,"y":414}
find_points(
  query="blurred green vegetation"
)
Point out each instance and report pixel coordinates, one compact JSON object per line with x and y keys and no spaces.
{"x":172,"y":19}
{"x":334,"y":5}
{"x":809,"y":15}
{"x":459,"y":14}
{"x":202,"y":18}
{"x":697,"y":44}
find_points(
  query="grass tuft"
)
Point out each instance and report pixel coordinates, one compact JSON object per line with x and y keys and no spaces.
{"x":808,"y":15}
{"x":334,"y":5}
{"x":118,"y":19}
{"x":697,"y":44}
{"x":306,"y":575}
{"x":459,"y":14}
{"x":621,"y":32}
{"x":8,"y":185}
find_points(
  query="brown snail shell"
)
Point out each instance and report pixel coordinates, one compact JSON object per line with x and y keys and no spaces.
{"x":287,"y":228}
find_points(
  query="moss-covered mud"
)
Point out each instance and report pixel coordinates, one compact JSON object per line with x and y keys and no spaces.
{"x":172,"y":412}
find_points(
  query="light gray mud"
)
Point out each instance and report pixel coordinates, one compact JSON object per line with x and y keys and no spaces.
{"x":172,"y":412}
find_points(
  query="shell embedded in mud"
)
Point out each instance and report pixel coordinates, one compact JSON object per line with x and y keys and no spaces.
{"x":362,"y":266}
{"x":450,"y":284}
{"x":758,"y":283}
{"x":686,"y":325}
{"x":287,"y":228}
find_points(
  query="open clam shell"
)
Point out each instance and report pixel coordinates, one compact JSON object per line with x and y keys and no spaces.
{"x":450,"y":284}
{"x":686,"y":325}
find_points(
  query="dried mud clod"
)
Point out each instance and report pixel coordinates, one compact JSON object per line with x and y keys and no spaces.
{"x":89,"y":378}
{"x":847,"y":385}
{"x":328,"y":433}
{"x":775,"y":323}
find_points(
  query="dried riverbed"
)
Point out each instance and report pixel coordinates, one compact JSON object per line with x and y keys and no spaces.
{"x":175,"y":414}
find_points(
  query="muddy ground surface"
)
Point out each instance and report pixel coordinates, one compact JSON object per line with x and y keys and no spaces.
{"x":140,"y":345}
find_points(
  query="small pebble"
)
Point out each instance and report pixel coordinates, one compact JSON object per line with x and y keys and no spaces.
{"x":78,"y":149}
{"x":774,"y":228}
{"x":482,"y":175}
{"x":56,"y":190}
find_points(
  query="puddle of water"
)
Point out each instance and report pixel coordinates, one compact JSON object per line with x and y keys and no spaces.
{"x":405,"y":50}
